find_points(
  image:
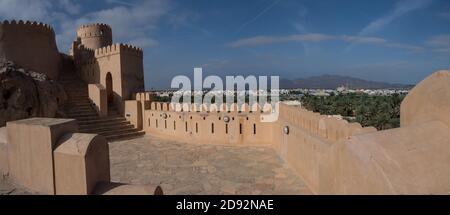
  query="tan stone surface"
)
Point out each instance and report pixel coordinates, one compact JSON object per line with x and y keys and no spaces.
{"x":428,"y":101}
{"x":182,"y":168}
{"x":30,"y":151}
{"x":95,"y":36}
{"x":207,"y":127}
{"x":3,"y":153}
{"x":409,"y":160}
{"x":109,"y":188}
{"x":31,"y":46}
{"x":133,"y":113}
{"x":98,"y":96}
{"x":81,"y":161}
{"x":7,"y":187}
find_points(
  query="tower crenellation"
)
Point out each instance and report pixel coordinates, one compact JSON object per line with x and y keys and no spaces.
{"x":95,"y":36}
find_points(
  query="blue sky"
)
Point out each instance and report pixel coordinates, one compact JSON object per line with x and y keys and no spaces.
{"x":385,"y":40}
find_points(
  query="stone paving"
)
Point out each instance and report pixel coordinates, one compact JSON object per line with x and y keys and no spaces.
{"x":190,"y":169}
{"x":7,"y":188}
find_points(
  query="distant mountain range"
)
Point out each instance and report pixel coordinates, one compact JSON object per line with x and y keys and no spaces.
{"x":335,"y":81}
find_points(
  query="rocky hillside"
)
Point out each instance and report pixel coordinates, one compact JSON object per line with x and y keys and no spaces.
{"x":25,"y":94}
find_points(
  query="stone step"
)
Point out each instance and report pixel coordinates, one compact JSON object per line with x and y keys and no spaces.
{"x":113,"y":127}
{"x":80,"y":107}
{"x":80,"y":104}
{"x":81,"y":101}
{"x":115,"y":115}
{"x":82,"y":115}
{"x":79,"y":97}
{"x":75,"y":108}
{"x":116,"y":132}
{"x":88,"y":118}
{"x":131,"y":135}
{"x":100,"y":120}
{"x":102,"y":125}
{"x":106,"y":128}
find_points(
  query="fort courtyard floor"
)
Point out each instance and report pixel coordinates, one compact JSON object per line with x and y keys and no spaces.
{"x":182,"y":168}
{"x":191,"y":169}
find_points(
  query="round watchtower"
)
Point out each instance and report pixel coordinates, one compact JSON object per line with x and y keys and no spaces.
{"x":94,"y":36}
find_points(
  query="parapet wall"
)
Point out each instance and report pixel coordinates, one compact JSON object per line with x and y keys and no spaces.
{"x":202,"y":125}
{"x":309,"y":145}
{"x":30,"y":45}
{"x":118,"y":48}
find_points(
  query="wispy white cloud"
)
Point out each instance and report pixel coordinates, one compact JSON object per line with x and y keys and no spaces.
{"x":267,"y":40}
{"x":361,"y":39}
{"x":445,"y":15}
{"x":401,"y":8}
{"x":26,"y":9}
{"x":126,"y":3}
{"x":440,"y":40}
{"x":130,"y":23}
{"x":215,"y":64}
{"x":265,"y":10}
{"x":264,"y":40}
{"x":70,"y":7}
{"x":439,"y":43}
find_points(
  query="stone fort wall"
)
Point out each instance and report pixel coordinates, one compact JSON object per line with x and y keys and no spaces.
{"x":30,"y":45}
{"x":331,"y":155}
{"x":96,"y":59}
{"x":123,"y":62}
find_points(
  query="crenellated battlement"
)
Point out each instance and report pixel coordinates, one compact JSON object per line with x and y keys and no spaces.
{"x":107,"y":50}
{"x":103,"y":25}
{"x":130,"y":49}
{"x":37,"y":27}
{"x":328,"y":127}
{"x":31,"y":45}
{"x":118,"y":48}
{"x":94,"y":30}
{"x":83,"y":48}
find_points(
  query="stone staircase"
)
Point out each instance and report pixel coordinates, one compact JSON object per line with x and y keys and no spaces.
{"x":113,"y":127}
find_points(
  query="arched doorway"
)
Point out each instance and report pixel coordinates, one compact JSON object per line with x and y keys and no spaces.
{"x":109,"y":88}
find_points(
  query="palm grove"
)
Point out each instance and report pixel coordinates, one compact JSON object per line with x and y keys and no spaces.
{"x":381,"y":112}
